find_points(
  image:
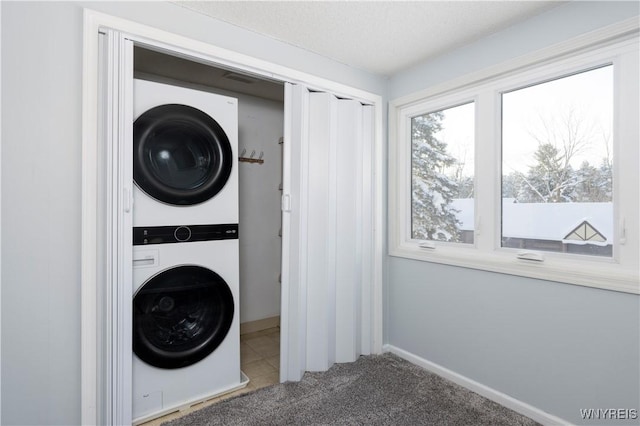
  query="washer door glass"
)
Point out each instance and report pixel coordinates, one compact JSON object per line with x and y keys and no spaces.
{"x":181,"y":155}
{"x":180,"y":316}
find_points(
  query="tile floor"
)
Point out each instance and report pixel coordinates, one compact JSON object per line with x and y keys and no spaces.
{"x":260,"y":361}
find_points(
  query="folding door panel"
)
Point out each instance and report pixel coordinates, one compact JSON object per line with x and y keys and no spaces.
{"x":365,"y":218}
{"x":348,"y":229}
{"x":112,"y":299}
{"x":327,"y":230}
{"x":321,"y":235}
{"x":293,"y":316}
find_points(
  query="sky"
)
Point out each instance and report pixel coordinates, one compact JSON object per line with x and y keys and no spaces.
{"x":458,"y":128}
{"x":587,"y":95}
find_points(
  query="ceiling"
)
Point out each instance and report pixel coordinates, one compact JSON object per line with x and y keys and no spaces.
{"x":382,"y":37}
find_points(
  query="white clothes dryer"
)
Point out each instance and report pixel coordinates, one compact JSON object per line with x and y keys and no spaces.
{"x":186,"y":333}
{"x":185,"y":156}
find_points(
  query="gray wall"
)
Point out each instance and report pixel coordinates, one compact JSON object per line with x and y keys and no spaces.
{"x":41,"y":109}
{"x":555,"y":346}
{"x":41,"y":186}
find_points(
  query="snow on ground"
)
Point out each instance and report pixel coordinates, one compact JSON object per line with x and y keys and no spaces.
{"x":543,"y":221}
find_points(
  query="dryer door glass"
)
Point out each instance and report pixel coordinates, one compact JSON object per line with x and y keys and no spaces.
{"x":181,"y":155}
{"x":180,"y":316}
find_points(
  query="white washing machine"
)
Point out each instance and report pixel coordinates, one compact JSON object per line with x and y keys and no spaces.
{"x":185,"y":156}
{"x":186,"y":335}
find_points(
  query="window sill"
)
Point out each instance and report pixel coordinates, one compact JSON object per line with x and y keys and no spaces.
{"x":604,"y":274}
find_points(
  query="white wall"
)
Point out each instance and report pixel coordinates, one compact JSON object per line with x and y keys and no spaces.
{"x":555,"y":346}
{"x":41,"y":186}
{"x":260,"y":128}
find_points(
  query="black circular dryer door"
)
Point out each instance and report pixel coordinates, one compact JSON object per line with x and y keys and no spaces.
{"x":181,"y":155}
{"x":180,"y":316}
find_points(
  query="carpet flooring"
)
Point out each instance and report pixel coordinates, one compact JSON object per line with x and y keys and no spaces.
{"x":374,"y":390}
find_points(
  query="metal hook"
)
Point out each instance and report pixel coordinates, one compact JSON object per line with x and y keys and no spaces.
{"x":261,"y":155}
{"x":252,"y":153}
{"x":244,"y":151}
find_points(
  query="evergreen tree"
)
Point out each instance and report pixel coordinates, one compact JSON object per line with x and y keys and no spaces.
{"x":550,"y":180}
{"x":587,"y":184}
{"x":605,"y":181}
{"x":433,"y":218}
{"x":511,"y":185}
{"x":465,"y":187}
{"x":593,"y":184}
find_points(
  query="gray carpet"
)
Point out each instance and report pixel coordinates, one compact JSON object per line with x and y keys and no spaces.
{"x":375,"y":390}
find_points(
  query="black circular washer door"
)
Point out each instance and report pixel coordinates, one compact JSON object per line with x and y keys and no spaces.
{"x":182,"y":156}
{"x":180,"y":316}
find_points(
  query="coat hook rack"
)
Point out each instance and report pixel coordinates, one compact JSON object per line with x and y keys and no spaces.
{"x":250,"y":158}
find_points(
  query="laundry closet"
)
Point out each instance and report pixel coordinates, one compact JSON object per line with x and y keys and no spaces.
{"x":260,"y":122}
{"x":258,"y":231}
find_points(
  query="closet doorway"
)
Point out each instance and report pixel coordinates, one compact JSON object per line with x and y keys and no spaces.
{"x":260,"y":149}
{"x":308,"y":323}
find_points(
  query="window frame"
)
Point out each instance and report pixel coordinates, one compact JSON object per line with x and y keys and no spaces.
{"x":617,"y":45}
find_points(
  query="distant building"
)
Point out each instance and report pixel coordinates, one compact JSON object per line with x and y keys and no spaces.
{"x":582,"y":228}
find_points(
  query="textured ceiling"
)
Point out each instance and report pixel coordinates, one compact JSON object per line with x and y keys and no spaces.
{"x":382,"y":37}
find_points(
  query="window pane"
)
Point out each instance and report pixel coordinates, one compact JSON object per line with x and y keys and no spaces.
{"x":442,"y":184}
{"x":557,"y":164}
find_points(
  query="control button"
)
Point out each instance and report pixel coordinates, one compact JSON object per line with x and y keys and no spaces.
{"x":182,"y":233}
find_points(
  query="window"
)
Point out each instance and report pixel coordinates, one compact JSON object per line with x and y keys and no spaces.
{"x":442,"y":161}
{"x":531,"y":170}
{"x":557,"y":164}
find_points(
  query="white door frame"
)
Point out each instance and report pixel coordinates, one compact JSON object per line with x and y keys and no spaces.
{"x":91,"y":357}
{"x":0,"y":214}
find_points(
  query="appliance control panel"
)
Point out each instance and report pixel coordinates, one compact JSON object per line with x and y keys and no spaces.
{"x":143,"y":235}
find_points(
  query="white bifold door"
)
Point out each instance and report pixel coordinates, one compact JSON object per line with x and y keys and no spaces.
{"x":327,"y":230}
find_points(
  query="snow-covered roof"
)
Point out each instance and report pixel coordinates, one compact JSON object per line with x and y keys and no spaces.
{"x":465,"y":214}
{"x":543,"y":221}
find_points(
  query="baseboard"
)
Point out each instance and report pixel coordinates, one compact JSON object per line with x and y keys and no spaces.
{"x":259,"y":325}
{"x":186,"y":405}
{"x":489,"y":393}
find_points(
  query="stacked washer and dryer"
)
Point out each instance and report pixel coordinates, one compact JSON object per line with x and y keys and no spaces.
{"x":186,"y":338}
